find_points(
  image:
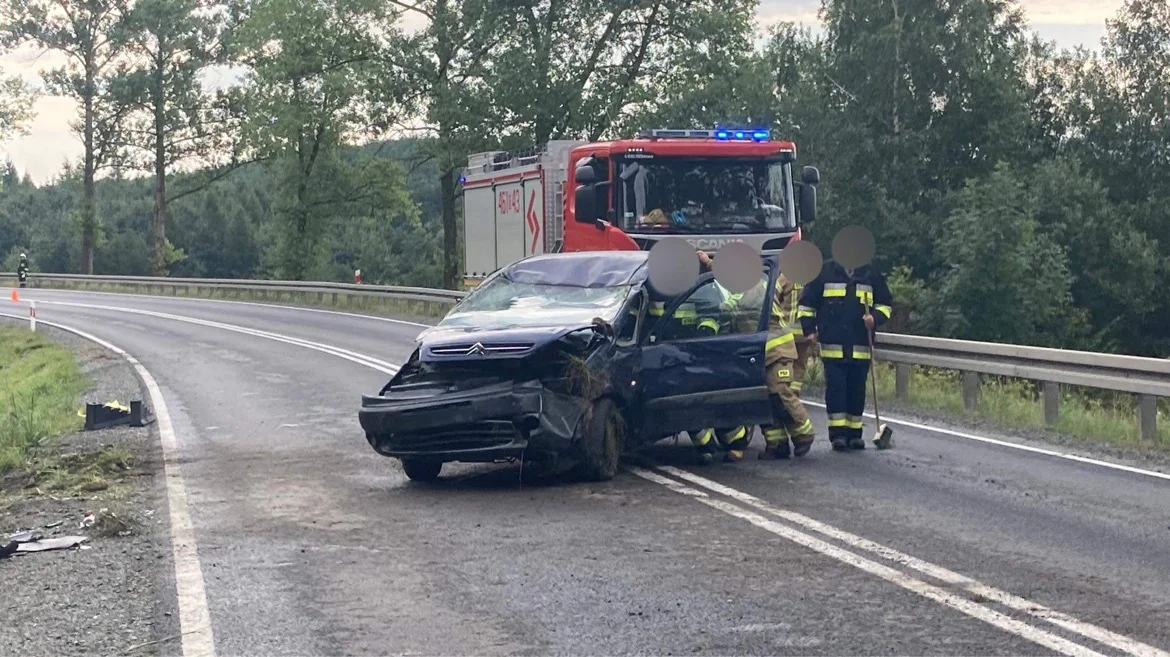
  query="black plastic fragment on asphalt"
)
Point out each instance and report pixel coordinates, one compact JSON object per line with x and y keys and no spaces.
{"x":102,"y":416}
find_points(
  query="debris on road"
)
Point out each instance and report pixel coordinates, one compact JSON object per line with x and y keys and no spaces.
{"x":25,"y":537}
{"x":59,"y":543}
{"x":114,"y":413}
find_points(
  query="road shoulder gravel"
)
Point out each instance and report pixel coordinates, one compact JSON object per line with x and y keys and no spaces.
{"x":115,"y":596}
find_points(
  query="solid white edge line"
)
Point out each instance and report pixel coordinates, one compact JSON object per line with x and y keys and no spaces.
{"x":898,"y":578}
{"x":194,"y":615}
{"x":1012,"y":445}
{"x":376,"y":318}
{"x":1088,"y":630}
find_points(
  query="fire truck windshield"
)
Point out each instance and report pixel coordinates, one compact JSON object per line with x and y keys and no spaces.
{"x":708,"y":195}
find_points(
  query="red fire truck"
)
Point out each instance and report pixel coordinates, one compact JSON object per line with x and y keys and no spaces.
{"x":709,"y":187}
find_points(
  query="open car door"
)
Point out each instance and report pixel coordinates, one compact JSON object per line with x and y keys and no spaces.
{"x":694,"y":380}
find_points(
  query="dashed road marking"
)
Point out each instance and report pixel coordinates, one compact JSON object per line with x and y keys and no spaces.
{"x":1017,"y":603}
{"x":929,"y":591}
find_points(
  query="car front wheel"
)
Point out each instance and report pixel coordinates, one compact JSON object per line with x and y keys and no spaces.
{"x":422,"y":470}
{"x":602,"y":441}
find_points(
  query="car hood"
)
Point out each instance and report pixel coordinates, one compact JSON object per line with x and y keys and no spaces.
{"x":463,"y":343}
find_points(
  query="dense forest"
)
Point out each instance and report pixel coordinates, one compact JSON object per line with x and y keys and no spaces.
{"x":1018,"y":192}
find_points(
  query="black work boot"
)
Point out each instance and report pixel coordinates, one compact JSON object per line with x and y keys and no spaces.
{"x":735,"y":451}
{"x":801,"y":445}
{"x":706,"y":455}
{"x":857,"y":442}
{"x":779,"y":450}
{"x":839,"y":444}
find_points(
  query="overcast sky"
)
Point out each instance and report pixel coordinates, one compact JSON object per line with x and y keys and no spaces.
{"x":50,"y":142}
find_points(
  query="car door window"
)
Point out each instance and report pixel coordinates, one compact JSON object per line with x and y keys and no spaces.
{"x":712,"y":310}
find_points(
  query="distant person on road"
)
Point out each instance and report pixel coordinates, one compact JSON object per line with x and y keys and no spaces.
{"x":840,"y":311}
{"x":22,"y":271}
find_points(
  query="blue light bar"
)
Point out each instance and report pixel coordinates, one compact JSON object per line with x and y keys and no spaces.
{"x":719,"y":134}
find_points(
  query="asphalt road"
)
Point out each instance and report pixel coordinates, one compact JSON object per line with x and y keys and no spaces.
{"x":310,"y":543}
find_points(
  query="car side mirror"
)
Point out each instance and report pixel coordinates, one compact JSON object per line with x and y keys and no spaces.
{"x":809,"y":177}
{"x":585,"y":204}
{"x":585,"y":175}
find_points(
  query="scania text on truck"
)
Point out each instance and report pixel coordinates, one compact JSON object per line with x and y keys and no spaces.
{"x":709,"y":187}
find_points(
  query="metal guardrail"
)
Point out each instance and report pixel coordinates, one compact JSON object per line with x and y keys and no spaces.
{"x":422,"y":293}
{"x":1148,"y":378}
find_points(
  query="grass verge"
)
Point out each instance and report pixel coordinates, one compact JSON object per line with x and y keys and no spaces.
{"x":1085,"y":414}
{"x":40,"y":384}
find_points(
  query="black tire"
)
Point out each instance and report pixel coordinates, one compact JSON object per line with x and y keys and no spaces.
{"x":425,"y":471}
{"x":602,"y":441}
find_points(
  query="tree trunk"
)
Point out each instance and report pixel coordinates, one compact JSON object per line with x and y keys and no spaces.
{"x":451,"y":255}
{"x":158,"y":222}
{"x":89,"y":205}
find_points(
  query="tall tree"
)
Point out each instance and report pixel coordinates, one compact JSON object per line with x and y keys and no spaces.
{"x":444,"y":67}
{"x":175,"y":121}
{"x":16,"y":100}
{"x":311,"y":68}
{"x":927,"y":95}
{"x":91,"y":36}
{"x":980,"y":295}
{"x":578,"y":68}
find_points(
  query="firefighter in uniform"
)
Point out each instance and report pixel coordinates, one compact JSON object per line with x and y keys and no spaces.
{"x":22,"y":271}
{"x":839,"y":311}
{"x":734,"y":440}
{"x":781,"y":357}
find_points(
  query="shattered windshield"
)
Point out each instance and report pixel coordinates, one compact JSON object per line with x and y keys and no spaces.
{"x":712,"y":195}
{"x":504,"y":303}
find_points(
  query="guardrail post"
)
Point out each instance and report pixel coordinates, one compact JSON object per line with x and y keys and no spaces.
{"x":1051,"y":402}
{"x":970,"y":390}
{"x":1148,"y":417}
{"x":902,"y":381}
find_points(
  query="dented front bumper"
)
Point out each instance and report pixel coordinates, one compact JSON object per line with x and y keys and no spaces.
{"x":502,"y":421}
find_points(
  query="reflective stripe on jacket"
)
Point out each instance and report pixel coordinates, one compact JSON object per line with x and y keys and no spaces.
{"x":833,"y":305}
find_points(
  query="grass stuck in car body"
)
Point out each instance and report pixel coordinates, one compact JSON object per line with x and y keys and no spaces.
{"x":40,"y":383}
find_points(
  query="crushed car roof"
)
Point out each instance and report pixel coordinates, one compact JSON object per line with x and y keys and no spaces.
{"x":583,"y":269}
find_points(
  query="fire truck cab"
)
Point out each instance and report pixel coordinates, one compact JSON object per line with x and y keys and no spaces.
{"x":709,"y":187}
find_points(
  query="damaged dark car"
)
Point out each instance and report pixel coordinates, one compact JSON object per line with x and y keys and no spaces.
{"x":570,"y":360}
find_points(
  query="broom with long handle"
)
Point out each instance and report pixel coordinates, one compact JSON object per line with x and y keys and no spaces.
{"x":884,"y":438}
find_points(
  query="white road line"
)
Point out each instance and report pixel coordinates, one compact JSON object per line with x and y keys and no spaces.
{"x":194,"y":616}
{"x":376,"y":318}
{"x":1019,"y":446}
{"x":1065,"y":621}
{"x":929,"y":591}
{"x":361,"y":359}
